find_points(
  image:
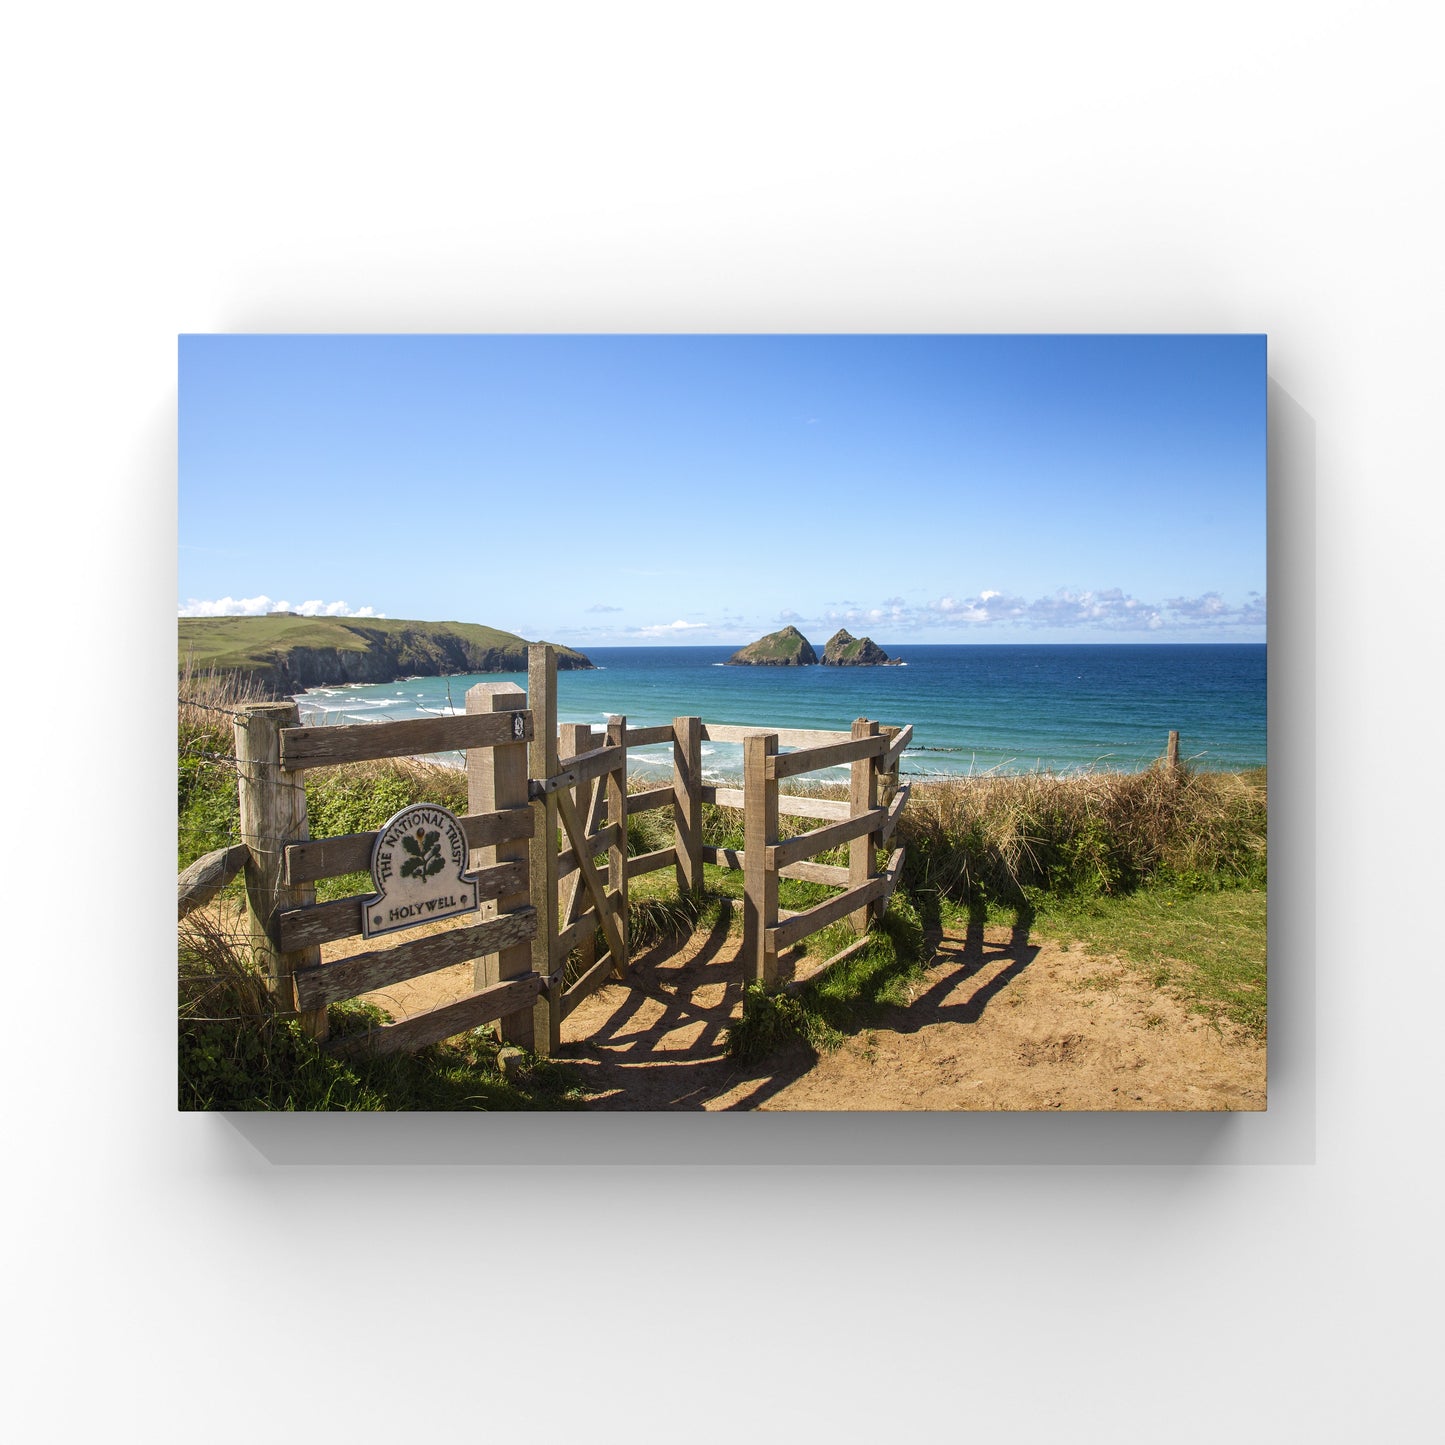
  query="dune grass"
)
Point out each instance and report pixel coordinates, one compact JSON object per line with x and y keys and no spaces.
{"x":1002,"y":839}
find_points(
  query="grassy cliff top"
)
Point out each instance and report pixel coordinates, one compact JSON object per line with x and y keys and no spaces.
{"x":246,"y":643}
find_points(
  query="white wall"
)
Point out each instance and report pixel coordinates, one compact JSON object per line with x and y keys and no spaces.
{"x":1045,"y":167}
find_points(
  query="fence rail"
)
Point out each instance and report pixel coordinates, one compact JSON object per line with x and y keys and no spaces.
{"x":328,"y":745}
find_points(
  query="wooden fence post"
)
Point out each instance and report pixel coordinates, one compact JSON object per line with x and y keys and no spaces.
{"x":760,"y":883}
{"x":888,"y":778}
{"x":687,"y":803}
{"x":542,"y":764}
{"x":1171,"y":753}
{"x":862,"y":852}
{"x":617,"y":853}
{"x":273,"y":813}
{"x":497,"y":778}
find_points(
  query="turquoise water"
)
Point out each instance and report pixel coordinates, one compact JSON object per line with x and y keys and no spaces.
{"x":973,"y":708}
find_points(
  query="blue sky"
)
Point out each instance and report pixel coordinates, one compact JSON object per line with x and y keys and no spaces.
{"x":706,"y":489}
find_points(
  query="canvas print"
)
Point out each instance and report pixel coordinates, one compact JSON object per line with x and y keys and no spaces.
{"x":781,"y":722}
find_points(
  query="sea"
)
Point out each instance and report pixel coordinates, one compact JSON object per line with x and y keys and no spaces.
{"x":975,"y":709}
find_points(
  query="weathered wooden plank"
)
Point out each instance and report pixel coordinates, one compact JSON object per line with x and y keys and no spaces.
{"x":890,"y":876}
{"x":899,"y":742}
{"x":833,"y":874}
{"x":687,"y":799}
{"x":206,"y":877}
{"x":809,"y":760}
{"x":379,"y":968}
{"x":493,"y":1002}
{"x":320,"y":747}
{"x":592,"y":764}
{"x":317,"y":923}
{"x":810,"y":920}
{"x":581,"y":928}
{"x":351,"y":852}
{"x":723,"y":857}
{"x":800,"y":980}
{"x":760,"y":883}
{"x":497,"y":783}
{"x":895,"y":811}
{"x":863,"y":802}
{"x":272,"y":809}
{"x":600,"y":841}
{"x":591,"y":808}
{"x":573,"y":740}
{"x":542,"y":763}
{"x":650,"y":862}
{"x":819,"y":840}
{"x":736,"y":859}
{"x":791,"y":805}
{"x":652,"y":798}
{"x":787,"y":737}
{"x":647,"y":737}
{"x":605,"y":909}
{"x":617,"y":853}
{"x":589,"y":983}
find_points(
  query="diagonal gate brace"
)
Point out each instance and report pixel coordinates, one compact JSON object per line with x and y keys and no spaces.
{"x":567,"y":810}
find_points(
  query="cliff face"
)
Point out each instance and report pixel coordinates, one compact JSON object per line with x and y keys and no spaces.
{"x":286,"y":654}
{"x":845,"y":650}
{"x":787,"y":648}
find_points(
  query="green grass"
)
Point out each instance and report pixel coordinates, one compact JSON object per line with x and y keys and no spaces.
{"x":1207,"y":947}
{"x":844,"y":999}
{"x":235,"y":1052}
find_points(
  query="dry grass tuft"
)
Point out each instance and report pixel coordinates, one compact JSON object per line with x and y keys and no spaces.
{"x":997,"y":836}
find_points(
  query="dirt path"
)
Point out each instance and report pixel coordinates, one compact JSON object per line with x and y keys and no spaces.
{"x":999,"y":1021}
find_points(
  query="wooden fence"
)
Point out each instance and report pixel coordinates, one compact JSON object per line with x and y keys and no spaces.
{"x":543,"y":806}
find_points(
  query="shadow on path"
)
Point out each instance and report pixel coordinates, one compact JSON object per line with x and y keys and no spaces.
{"x":657,"y":1040}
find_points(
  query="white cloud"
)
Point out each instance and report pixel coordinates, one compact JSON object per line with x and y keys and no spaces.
{"x":261,"y":606}
{"x":603,"y":607}
{"x":1108,"y":609}
{"x":1211,"y":607}
{"x":668,"y":629}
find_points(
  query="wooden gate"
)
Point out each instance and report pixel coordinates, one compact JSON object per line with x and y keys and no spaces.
{"x":546,"y":830}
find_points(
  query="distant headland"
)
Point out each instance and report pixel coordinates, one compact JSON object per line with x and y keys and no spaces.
{"x":286,"y":653}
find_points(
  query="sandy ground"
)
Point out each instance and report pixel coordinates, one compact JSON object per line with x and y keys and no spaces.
{"x":1000,"y":1021}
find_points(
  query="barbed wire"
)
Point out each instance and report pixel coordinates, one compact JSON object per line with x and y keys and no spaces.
{"x":211,"y":707}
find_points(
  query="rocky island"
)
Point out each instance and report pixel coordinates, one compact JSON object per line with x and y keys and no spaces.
{"x":285,"y":653}
{"x":787,"y":648}
{"x":845,"y":650}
